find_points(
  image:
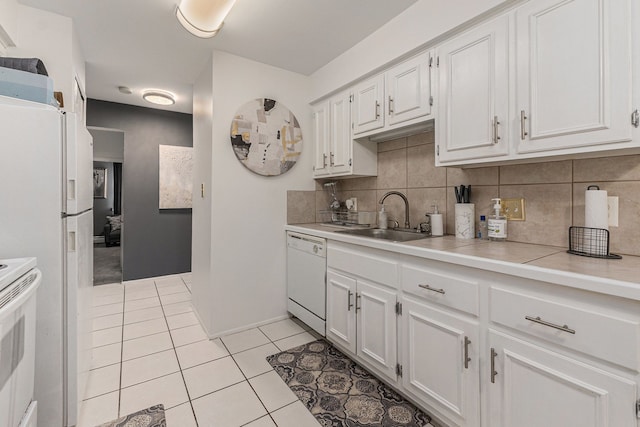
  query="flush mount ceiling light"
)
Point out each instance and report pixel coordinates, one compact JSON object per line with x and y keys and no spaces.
{"x":159,"y":97}
{"x":203,"y":18}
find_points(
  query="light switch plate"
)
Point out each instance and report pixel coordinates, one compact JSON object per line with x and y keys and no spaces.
{"x":513,"y":209}
{"x":612,"y":201}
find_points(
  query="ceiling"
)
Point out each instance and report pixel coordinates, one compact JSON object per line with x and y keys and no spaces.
{"x":141,"y":45}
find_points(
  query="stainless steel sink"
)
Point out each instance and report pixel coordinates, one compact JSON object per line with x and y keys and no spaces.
{"x":388,"y":234}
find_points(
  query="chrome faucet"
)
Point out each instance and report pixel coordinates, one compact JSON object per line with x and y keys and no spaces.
{"x":406,"y":206}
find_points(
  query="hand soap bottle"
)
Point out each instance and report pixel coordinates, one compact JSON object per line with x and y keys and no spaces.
{"x":382,"y":218}
{"x":497,"y":223}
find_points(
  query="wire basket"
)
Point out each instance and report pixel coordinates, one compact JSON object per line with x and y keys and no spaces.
{"x":591,"y":242}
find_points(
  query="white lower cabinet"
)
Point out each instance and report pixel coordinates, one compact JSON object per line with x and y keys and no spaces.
{"x":479,"y":349}
{"x":440,"y":363}
{"x":532,"y":387}
{"x":361,"y":318}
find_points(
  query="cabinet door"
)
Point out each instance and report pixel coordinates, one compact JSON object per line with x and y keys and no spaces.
{"x":377,"y":327}
{"x":341,"y":311}
{"x":409,"y":89}
{"x":368,"y":105}
{"x":473,"y":93}
{"x":321,"y":139}
{"x":536,"y":387}
{"x":340,"y":134}
{"x":435,"y":347}
{"x":573,"y":75}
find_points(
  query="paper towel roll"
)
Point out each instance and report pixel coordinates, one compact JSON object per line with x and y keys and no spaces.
{"x":596,"y":208}
{"x":436,"y":224}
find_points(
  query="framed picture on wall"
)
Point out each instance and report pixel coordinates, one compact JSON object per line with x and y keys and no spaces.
{"x":99,"y":183}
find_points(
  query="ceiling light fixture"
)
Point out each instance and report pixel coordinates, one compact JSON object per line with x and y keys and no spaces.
{"x":159,"y":97}
{"x":203,"y":18}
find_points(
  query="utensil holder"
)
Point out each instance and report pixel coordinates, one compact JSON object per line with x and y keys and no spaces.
{"x":465,"y":214}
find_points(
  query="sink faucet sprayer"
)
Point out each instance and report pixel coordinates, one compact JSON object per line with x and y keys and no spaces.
{"x":406,"y":205}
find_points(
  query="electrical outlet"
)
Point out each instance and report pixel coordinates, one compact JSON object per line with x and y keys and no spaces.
{"x":612,"y":201}
{"x":513,"y":209}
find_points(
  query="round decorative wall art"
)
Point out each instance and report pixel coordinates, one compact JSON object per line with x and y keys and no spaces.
{"x":266,"y":137}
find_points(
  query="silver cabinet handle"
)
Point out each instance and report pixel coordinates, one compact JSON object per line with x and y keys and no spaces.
{"x":331,"y":162}
{"x":324,"y":160}
{"x":563,"y":328}
{"x":493,"y":365}
{"x":349,"y":303}
{"x":429,"y":288}
{"x":377,"y":110}
{"x":635,"y":118}
{"x":467,"y":359}
{"x":357,"y":299}
{"x":390,"y":105}
{"x":523,"y":119}
{"x":496,"y":135}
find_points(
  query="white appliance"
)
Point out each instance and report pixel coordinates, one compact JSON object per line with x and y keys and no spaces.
{"x":47,"y":198}
{"x":306,"y":279}
{"x":19,"y":280}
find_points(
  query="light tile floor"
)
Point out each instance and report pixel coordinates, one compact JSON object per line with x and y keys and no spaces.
{"x":149,"y":348}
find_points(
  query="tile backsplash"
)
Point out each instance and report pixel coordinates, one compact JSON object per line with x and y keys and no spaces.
{"x":553,"y":192}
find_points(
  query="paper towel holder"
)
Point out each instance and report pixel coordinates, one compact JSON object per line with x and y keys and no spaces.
{"x":590,"y":242}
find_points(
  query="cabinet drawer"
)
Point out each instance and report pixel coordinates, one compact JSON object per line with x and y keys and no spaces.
{"x":442,"y":288}
{"x":365,"y":264}
{"x":582,"y":327}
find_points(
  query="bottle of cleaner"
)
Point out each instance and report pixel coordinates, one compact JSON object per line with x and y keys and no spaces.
{"x":497,"y":224}
{"x":482,"y":232}
{"x":382,"y":218}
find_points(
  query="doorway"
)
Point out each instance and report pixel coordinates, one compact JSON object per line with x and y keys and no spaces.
{"x":108,"y":230}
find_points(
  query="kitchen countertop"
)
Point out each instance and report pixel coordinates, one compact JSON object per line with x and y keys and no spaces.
{"x":538,"y":262}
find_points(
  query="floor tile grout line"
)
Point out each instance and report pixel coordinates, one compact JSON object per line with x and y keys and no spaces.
{"x":247,"y":381}
{"x":175,"y":352}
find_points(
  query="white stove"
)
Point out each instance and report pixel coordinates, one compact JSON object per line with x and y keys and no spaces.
{"x":19,"y":281}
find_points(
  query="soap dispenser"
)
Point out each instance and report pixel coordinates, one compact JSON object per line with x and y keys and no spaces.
{"x":382,"y":218}
{"x":497,"y":223}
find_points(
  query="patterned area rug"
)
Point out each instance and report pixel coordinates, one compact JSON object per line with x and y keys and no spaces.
{"x":340,"y":393}
{"x":150,"y":417}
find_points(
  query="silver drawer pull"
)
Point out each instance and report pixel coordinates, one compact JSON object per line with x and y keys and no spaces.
{"x":429,"y":288}
{"x":563,"y":328}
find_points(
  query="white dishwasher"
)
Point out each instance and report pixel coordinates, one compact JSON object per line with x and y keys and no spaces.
{"x":306,"y":279}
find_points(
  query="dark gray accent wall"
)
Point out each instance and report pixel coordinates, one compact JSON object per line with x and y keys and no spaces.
{"x":103,"y":207}
{"x":154,"y":242}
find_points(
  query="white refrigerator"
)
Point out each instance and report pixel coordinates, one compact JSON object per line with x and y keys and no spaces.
{"x":46,"y":196}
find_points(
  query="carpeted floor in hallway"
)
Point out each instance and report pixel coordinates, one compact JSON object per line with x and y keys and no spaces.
{"x":106,"y":264}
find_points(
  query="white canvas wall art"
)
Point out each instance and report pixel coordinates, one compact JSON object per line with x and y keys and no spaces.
{"x":176,"y":177}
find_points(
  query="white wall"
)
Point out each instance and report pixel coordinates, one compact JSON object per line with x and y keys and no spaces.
{"x":414,"y":28}
{"x":52,"y":38}
{"x":108,"y":145}
{"x":202,"y":207}
{"x":247,"y":280}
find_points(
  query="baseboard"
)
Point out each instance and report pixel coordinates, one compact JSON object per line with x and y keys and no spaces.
{"x":242,"y":328}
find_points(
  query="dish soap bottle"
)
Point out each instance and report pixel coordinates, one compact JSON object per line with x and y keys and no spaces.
{"x":382,"y":219}
{"x":497,"y":223}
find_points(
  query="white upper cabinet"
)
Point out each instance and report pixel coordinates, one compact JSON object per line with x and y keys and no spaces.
{"x":396,"y":98}
{"x":573,"y":74}
{"x":321,"y":139}
{"x":473,"y":94}
{"x":336,"y":154}
{"x":549,"y":78}
{"x":368,"y":105}
{"x":409,"y":90}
